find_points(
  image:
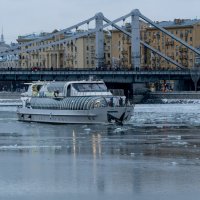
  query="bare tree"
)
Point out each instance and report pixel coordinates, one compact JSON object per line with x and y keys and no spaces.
{"x":195,"y":74}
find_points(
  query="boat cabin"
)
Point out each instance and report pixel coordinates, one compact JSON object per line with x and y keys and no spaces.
{"x":74,"y":88}
{"x":60,"y":89}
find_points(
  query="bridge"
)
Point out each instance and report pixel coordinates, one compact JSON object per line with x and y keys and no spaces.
{"x":134,"y":75}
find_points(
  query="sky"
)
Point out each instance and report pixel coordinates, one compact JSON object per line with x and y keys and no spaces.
{"x":21,"y":17}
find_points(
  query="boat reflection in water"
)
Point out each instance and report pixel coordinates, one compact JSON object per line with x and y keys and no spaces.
{"x":84,"y":102}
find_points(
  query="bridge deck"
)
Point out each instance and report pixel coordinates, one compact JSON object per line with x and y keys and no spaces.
{"x":127,"y":76}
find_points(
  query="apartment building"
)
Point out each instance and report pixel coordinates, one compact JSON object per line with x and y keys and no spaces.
{"x":185,"y":29}
{"x":76,"y":53}
{"x":80,"y":53}
{"x":121,"y":46}
{"x":47,"y":57}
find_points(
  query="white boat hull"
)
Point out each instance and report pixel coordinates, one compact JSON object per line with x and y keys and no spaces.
{"x":93,"y":116}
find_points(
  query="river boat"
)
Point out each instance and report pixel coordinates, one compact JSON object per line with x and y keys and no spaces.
{"x":74,"y":102}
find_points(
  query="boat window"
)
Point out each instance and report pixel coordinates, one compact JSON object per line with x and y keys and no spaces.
{"x":55,"y":86}
{"x":36,"y":89}
{"x":69,"y":91}
{"x":90,"y":87}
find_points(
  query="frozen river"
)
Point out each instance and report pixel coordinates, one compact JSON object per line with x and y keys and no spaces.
{"x":154,"y":156}
{"x":167,"y":114}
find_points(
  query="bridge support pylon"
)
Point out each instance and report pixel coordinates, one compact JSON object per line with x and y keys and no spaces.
{"x":99,"y":40}
{"x":135,"y":41}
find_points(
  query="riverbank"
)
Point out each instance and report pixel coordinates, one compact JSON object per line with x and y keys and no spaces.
{"x":168,"y":97}
{"x":10,"y":95}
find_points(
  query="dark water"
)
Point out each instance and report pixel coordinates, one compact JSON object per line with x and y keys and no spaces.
{"x":149,"y":158}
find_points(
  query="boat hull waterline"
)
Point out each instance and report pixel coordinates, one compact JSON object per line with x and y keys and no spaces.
{"x":103,"y":115}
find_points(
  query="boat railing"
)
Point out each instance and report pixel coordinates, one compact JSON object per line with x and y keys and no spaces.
{"x":79,"y":102}
{"x":118,"y":102}
{"x":92,"y":93}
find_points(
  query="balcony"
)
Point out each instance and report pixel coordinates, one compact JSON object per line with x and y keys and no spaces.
{"x":183,"y":49}
{"x":169,"y":43}
{"x":124,"y":52}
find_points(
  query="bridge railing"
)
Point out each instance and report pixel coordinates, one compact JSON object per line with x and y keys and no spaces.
{"x":34,"y":69}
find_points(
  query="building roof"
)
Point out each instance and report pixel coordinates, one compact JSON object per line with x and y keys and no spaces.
{"x":178,"y":23}
{"x":34,"y":36}
{"x":30,"y":37}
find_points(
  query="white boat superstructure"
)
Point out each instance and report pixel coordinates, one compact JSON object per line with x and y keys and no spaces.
{"x":33,"y":89}
{"x":85,"y":102}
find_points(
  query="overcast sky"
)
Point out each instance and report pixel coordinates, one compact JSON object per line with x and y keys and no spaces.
{"x":19,"y":17}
